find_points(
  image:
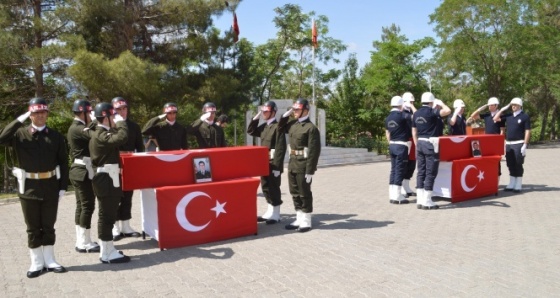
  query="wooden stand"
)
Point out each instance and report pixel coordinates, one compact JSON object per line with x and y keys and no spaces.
{"x":475,"y":130}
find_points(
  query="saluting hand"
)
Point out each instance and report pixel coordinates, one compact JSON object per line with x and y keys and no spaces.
{"x":24,"y":117}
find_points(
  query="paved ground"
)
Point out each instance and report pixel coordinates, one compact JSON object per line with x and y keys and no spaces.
{"x":361,"y":246}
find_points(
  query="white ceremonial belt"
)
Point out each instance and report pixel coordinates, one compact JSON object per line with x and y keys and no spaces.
{"x":515,"y":142}
{"x":434,"y":141}
{"x":399,"y":143}
{"x":40,"y":175}
{"x":424,"y":139}
{"x":79,"y":161}
{"x":113,"y":170}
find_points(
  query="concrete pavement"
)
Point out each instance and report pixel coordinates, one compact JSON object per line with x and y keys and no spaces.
{"x":361,"y":246}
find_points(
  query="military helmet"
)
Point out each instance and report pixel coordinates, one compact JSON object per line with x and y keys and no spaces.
{"x":81,"y":105}
{"x":38,"y":104}
{"x":396,"y":101}
{"x":269,"y":106}
{"x":301,"y":104}
{"x":427,"y":97}
{"x":493,"y":101}
{"x":517,"y":101}
{"x":407,"y":97}
{"x":170,"y":107}
{"x":103,"y":109}
{"x":119,"y":102}
{"x":458,"y":103}
{"x":209,"y":107}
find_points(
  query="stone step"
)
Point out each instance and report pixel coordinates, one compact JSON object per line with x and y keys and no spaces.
{"x":334,"y":156}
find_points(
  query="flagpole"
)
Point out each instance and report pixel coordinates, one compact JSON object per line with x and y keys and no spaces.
{"x":313,"y":64}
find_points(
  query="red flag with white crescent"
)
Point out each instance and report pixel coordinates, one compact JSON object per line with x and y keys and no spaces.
{"x":206,"y":212}
{"x":474,"y":178}
{"x":314,"y":35}
{"x":235,"y":28}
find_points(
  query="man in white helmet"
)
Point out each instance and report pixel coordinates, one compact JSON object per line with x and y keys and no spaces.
{"x":409,"y":109}
{"x":490,"y":126}
{"x":426,"y":133}
{"x":518,"y":134}
{"x":397,"y":131}
{"x":457,"y":122}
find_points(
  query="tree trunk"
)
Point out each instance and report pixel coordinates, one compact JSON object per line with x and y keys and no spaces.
{"x":553,"y":121}
{"x":543,"y":125}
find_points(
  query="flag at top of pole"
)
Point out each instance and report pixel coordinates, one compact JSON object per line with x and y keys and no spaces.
{"x":235,"y":28}
{"x":314,"y":35}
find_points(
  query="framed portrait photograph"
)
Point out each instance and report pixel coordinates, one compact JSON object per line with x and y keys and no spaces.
{"x":475,"y":146}
{"x":202,"y":169}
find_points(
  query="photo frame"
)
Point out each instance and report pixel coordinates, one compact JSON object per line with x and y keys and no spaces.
{"x":475,"y":147}
{"x":202,"y":169}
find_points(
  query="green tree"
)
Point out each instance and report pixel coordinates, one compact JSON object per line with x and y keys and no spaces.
{"x":284,"y":64}
{"x":395,"y":67}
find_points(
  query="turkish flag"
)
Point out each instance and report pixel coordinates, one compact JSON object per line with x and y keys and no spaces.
{"x":314,"y":35}
{"x":459,"y":147}
{"x":474,"y":178}
{"x":202,"y":213}
{"x":168,"y":168}
{"x":235,"y":28}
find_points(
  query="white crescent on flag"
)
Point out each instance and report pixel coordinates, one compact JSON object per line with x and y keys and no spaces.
{"x":182,"y":215}
{"x":180,"y":211}
{"x":457,"y":139}
{"x":171,"y":157}
{"x":463,"y":180}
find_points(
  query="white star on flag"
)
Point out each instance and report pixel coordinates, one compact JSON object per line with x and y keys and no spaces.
{"x":219,"y":208}
{"x":480,"y":176}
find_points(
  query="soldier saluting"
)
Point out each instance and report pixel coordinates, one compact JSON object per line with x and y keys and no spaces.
{"x":43,"y":178}
{"x":111,"y":133}
{"x":273,"y":138}
{"x":81,"y":173}
{"x":304,"y":150}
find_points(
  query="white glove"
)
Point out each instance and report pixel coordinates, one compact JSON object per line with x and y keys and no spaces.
{"x":288,"y":113}
{"x":117,"y":118}
{"x":24,"y":117}
{"x":61,"y":194}
{"x":457,"y":111}
{"x":162,"y":116}
{"x":505,"y":108}
{"x":524,"y":149}
{"x":257,"y":116}
{"x":308,"y":178}
{"x":276,"y":173}
{"x":438,"y":102}
{"x":205,"y":116}
{"x":407,"y":105}
{"x":92,"y":115}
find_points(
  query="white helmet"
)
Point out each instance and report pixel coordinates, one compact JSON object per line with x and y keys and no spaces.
{"x":458,"y":103}
{"x":427,"y":97}
{"x":396,"y":101}
{"x":493,"y":101}
{"x":517,"y":101}
{"x":407,"y":97}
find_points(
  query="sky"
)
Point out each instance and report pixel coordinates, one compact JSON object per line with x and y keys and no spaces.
{"x":357,"y":23}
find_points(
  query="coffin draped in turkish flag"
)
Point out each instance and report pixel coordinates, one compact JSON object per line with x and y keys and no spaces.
{"x":474,"y":178}
{"x":459,"y":147}
{"x":202,"y":213}
{"x":167,"y":168}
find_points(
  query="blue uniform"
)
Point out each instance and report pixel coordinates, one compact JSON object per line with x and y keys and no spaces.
{"x":491,"y":127}
{"x":516,"y":125}
{"x":411,"y":164}
{"x":459,"y":128}
{"x":428,"y":124}
{"x":399,"y":126}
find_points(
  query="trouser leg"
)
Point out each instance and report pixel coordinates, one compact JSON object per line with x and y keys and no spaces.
{"x":85,"y":202}
{"x":124,"y":211}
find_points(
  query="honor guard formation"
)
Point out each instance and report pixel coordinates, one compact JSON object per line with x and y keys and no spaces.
{"x":98,"y":136}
